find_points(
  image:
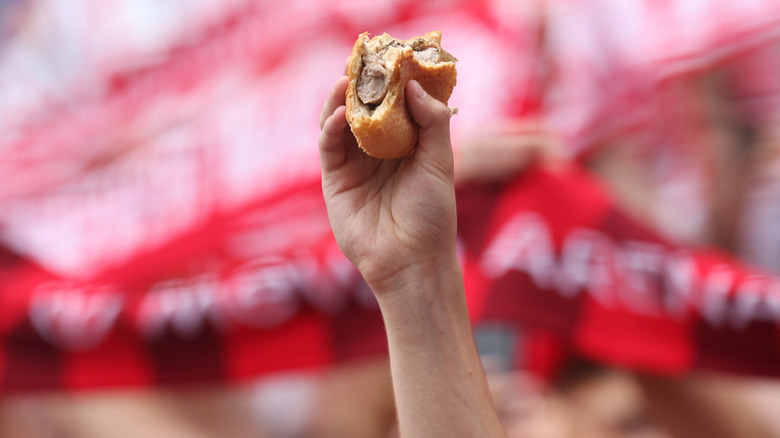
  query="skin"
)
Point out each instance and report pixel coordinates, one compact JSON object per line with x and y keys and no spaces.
{"x":498,"y":152}
{"x":395,"y":221}
{"x":701,"y":405}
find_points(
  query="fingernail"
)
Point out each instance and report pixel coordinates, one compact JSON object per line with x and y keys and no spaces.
{"x":418,"y":89}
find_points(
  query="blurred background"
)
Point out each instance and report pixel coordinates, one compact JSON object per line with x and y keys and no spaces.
{"x":167,"y":268}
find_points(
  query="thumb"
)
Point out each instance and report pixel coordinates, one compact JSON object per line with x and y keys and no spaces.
{"x":432,"y":116}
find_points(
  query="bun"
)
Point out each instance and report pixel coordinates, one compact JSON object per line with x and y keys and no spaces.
{"x":378,"y":71}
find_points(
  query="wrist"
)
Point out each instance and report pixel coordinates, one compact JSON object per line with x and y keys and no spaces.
{"x":425,"y":303}
{"x":425,"y":294}
{"x":417,"y":279}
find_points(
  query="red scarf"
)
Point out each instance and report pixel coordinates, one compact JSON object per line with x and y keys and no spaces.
{"x":554,"y":253}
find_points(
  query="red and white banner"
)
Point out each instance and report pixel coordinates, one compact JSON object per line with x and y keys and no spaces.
{"x":161,"y":219}
{"x":558,"y":256}
{"x":226,"y":302}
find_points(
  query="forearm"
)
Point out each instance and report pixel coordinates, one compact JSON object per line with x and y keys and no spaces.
{"x":439,"y":383}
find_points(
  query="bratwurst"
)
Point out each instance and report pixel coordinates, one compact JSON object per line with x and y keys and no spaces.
{"x":378,"y":71}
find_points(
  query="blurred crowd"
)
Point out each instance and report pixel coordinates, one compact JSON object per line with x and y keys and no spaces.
{"x":159,"y":210}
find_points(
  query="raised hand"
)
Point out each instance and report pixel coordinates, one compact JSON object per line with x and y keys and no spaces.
{"x":395,"y":220}
{"x":390,"y":216}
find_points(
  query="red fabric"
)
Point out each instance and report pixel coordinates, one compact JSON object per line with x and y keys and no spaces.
{"x":215,"y":305}
{"x":139,"y":211}
{"x":554,"y":254}
{"x":543,"y":354}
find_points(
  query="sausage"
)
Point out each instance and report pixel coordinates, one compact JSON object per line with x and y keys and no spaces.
{"x":372,"y":85}
{"x":374,"y":78}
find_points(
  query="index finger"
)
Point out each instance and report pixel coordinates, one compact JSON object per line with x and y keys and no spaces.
{"x":337,"y":98}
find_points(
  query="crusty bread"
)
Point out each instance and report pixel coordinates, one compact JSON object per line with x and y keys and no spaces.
{"x":385,"y":130}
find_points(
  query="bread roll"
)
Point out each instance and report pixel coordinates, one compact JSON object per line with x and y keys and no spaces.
{"x":378,"y":71}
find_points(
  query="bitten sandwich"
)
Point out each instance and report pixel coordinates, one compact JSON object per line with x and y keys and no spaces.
{"x":378,"y":71}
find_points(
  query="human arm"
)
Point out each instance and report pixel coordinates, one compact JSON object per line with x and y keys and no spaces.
{"x":497,"y":152}
{"x":395,"y":221}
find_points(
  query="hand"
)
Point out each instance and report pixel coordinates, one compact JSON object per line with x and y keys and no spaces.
{"x":498,"y":152}
{"x":390,"y":216}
